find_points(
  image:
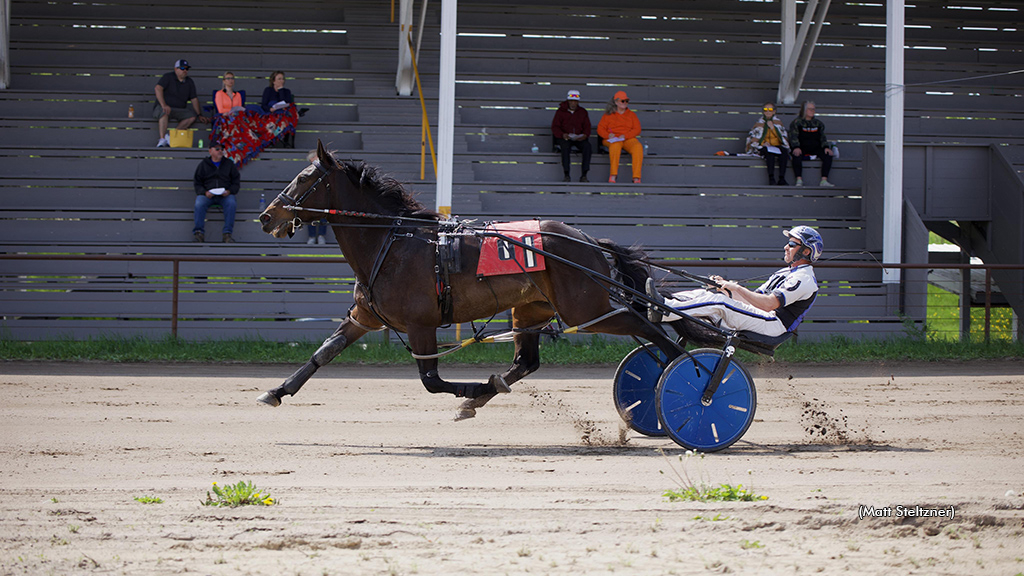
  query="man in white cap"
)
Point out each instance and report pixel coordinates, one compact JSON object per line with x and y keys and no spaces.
{"x":174,"y":91}
{"x":571,"y":128}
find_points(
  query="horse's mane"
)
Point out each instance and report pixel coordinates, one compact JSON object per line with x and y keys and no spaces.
{"x":390,"y":194}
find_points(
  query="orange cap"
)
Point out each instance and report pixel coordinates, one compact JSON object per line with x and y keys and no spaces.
{"x":620,"y":95}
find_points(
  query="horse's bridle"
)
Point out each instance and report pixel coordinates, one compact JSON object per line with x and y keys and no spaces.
{"x":296,"y":204}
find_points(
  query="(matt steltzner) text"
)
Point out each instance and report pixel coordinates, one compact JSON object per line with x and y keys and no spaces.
{"x":905,"y":512}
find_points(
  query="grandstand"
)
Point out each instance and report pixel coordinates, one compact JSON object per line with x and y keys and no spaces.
{"x":80,"y":177}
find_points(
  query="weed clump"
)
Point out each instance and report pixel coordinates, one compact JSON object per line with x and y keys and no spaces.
{"x":234,"y":495}
{"x":701,"y":489}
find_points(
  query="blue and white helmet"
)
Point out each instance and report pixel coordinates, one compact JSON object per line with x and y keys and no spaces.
{"x":810,"y":238}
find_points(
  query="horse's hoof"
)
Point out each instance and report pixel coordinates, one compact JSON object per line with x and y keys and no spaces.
{"x":269,"y":399}
{"x":499,"y":384}
{"x":465,"y":414}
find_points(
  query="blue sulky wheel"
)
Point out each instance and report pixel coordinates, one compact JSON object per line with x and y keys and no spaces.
{"x":635,"y":381}
{"x":694,"y":424}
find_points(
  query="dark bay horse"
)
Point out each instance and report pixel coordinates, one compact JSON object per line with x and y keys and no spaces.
{"x":390,"y":241}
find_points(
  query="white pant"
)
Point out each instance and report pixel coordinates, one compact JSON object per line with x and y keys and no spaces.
{"x":724,"y":312}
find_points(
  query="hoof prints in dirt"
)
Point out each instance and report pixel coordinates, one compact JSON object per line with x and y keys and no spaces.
{"x":590,"y":433}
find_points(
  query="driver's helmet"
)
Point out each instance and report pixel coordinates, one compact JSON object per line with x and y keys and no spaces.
{"x":808,"y":237}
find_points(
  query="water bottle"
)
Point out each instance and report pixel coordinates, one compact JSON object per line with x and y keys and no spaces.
{"x":535,"y":149}
{"x":645,"y":149}
{"x":131,"y":111}
{"x":483,"y":135}
{"x":263,"y":203}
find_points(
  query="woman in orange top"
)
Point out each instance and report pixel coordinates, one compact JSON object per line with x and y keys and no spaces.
{"x":618,"y":129}
{"x":227,"y":99}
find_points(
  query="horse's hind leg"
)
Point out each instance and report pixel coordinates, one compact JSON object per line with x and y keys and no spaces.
{"x":423,"y":341}
{"x":526,"y":359}
{"x":347,"y":333}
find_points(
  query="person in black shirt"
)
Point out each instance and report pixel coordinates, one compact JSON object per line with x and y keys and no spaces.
{"x":174,"y":91}
{"x":277,"y":95}
{"x":807,"y":138}
{"x":217,"y":182}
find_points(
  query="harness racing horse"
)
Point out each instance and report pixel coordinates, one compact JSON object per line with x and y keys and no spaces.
{"x":390,"y":241}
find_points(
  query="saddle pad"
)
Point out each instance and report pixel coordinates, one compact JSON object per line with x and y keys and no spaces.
{"x":498,"y":256}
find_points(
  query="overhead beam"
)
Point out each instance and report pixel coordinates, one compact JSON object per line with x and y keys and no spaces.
{"x":796,"y":54}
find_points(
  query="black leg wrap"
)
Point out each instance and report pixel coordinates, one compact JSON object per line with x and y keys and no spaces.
{"x":435,"y":385}
{"x":329,"y":349}
{"x":296,"y":380}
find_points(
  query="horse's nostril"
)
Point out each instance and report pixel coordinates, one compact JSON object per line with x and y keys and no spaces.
{"x":264,"y":218}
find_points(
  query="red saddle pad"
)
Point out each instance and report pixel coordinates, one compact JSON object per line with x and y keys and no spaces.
{"x":498,"y":256}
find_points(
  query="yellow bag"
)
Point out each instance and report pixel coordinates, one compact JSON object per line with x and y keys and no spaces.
{"x":181,"y":138}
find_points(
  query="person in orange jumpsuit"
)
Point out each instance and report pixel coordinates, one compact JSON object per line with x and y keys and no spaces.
{"x":619,"y":128}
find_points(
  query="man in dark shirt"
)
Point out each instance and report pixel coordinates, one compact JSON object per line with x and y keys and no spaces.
{"x":174,"y":91}
{"x":571,"y":128}
{"x":216,"y":181}
{"x":807,"y":138}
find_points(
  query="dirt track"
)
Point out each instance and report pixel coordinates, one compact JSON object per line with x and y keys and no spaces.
{"x":374,"y":477}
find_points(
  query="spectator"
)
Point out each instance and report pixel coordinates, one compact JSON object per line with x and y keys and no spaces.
{"x":618,"y":129}
{"x":768,"y":139}
{"x":276,"y":97}
{"x":571,"y":126}
{"x":174,"y":91}
{"x":217,"y":182}
{"x":227,"y":100}
{"x":808,"y":141}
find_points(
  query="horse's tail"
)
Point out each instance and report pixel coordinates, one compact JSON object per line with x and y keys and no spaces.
{"x":630,"y":265}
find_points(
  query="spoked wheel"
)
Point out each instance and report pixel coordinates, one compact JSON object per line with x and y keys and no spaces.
{"x":685,"y":417}
{"x":635,"y":382}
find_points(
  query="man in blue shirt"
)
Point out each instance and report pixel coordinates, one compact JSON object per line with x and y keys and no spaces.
{"x":217,"y":182}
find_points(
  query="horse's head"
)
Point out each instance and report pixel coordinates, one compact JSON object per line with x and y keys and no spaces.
{"x":309,"y":189}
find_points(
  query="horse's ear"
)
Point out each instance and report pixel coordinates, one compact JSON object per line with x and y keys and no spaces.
{"x":322,"y":154}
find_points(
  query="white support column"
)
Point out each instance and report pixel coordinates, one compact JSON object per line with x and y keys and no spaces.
{"x":404,"y":76}
{"x":892,"y":232}
{"x":446,"y":107}
{"x":5,"y":44}
{"x":788,"y":33}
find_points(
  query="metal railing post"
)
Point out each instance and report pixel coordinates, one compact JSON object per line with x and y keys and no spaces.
{"x":988,"y":301}
{"x":174,"y":300}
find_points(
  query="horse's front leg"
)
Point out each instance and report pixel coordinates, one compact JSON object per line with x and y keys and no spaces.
{"x":347,"y":333}
{"x":423,"y":341}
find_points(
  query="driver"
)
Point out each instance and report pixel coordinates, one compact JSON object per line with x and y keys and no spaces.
{"x":775,"y":308}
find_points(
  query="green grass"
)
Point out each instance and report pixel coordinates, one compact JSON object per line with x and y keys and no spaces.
{"x":596,"y":350}
{"x":944,"y":318}
{"x":241,"y":494}
{"x":149,"y":499}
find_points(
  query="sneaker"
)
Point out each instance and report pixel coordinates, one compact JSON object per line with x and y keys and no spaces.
{"x":799,"y":181}
{"x":321,"y":240}
{"x":783,"y":182}
{"x":611,"y":179}
{"x":584,"y":178}
{"x":311,"y":241}
{"x":163,"y":142}
{"x":227,"y":239}
{"x":824,"y":182}
{"x":566,"y":178}
{"x":771,"y":180}
{"x":636,"y":180}
{"x":653,"y":314}
{"x":198,"y":237}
